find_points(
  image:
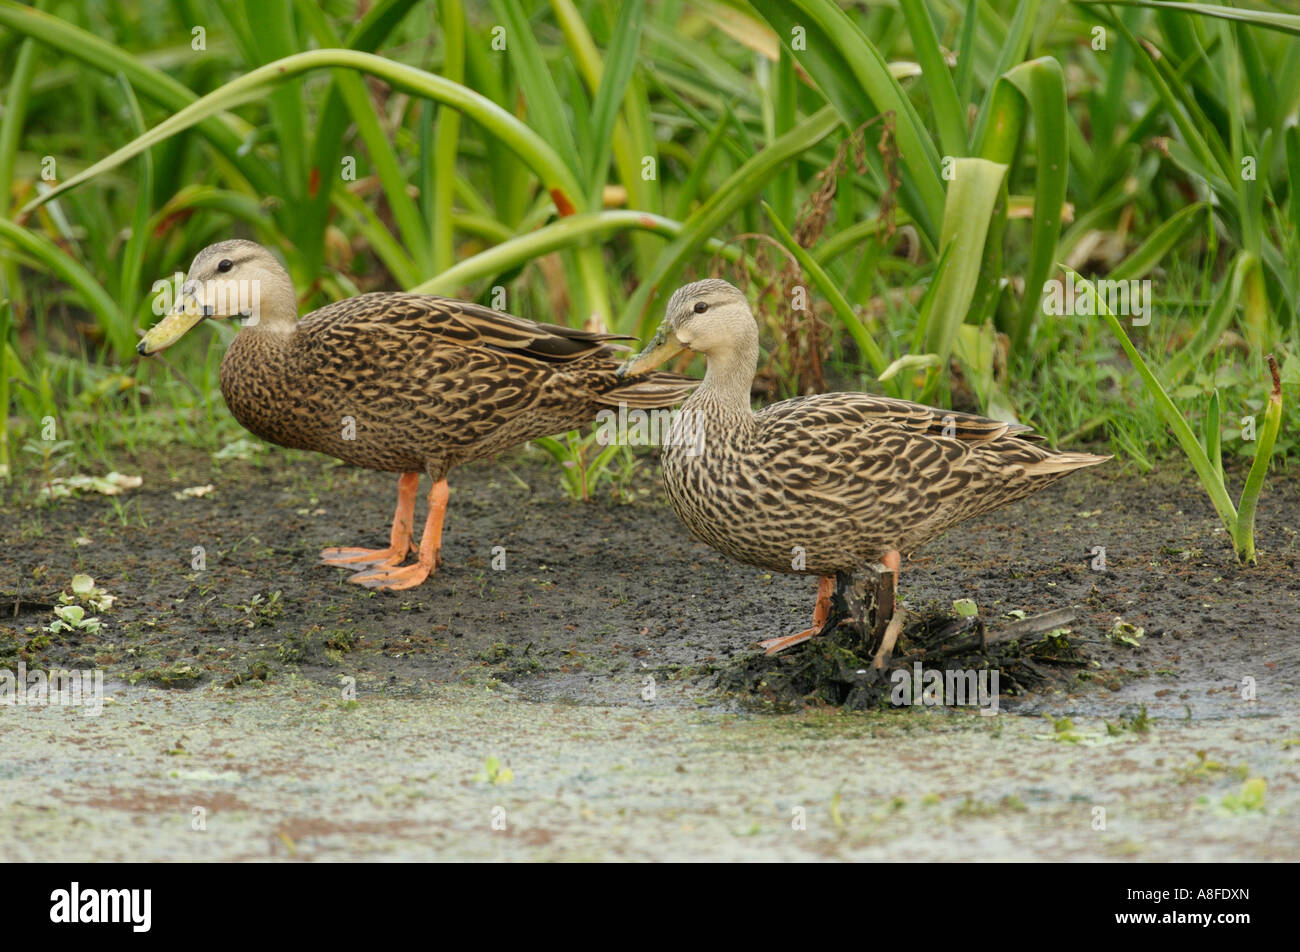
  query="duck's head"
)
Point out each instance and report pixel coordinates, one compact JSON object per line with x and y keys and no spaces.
{"x":231,"y":279}
{"x":709,"y":317}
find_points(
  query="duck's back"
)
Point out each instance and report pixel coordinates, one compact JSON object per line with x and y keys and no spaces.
{"x":831,"y":482}
{"x":409,"y":382}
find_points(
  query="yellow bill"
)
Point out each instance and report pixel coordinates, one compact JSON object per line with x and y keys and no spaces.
{"x":173,"y":327}
{"x":662,"y":347}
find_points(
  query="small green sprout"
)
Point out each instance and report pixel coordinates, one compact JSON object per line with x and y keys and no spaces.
{"x":1250,"y":799}
{"x":494,"y":773}
{"x":84,"y":590}
{"x":72,"y":618}
{"x":1126,"y":633}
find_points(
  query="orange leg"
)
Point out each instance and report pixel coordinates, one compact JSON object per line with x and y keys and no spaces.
{"x":399,"y":540}
{"x":894,"y":561}
{"x":821,"y":611}
{"x":409,"y":576}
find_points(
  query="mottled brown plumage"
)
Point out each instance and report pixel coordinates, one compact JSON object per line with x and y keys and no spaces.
{"x":398,"y":382}
{"x":427,"y":383}
{"x":826,"y":483}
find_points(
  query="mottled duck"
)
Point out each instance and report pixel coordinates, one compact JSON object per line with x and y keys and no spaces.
{"x":827,"y":483}
{"x":401,"y":383}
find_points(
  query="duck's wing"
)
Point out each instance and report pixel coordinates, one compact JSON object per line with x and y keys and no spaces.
{"x":912,"y":465}
{"x":424,"y":319}
{"x":855,"y":411}
{"x":471,"y":369}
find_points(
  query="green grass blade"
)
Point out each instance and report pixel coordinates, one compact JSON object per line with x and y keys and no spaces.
{"x":1007,"y":111}
{"x":356,"y":98}
{"x":133,"y":254}
{"x":1293,"y":174}
{"x":1216,"y":321}
{"x":785,"y":108}
{"x":740,"y":187}
{"x":537,"y":84}
{"x":1160,"y":242}
{"x":272,"y":34}
{"x":6,"y":322}
{"x":856,"y":80}
{"x":1214,"y":434}
{"x":1272,"y":20}
{"x":226,"y":133}
{"x":620,"y":60}
{"x":447,"y":142}
{"x":195,"y":197}
{"x":633,"y":133}
{"x":972,"y":196}
{"x":849,"y":238}
{"x":830,"y":290}
{"x":387,"y":168}
{"x":13,"y":118}
{"x":513,"y":134}
{"x":306,"y":227}
{"x":966,"y":56}
{"x":1244,"y":536}
{"x":1012,"y":51}
{"x":98,"y":301}
{"x":568,"y":232}
{"x":1263,"y":93}
{"x":1042,"y":83}
{"x":949,"y":116}
{"x":1196,"y":455}
{"x":380,"y":240}
{"x":1186,"y":113}
{"x":689,"y":189}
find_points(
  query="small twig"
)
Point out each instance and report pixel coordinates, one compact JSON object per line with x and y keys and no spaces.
{"x":21,"y":605}
{"x":1032,"y":626}
{"x":175,"y":372}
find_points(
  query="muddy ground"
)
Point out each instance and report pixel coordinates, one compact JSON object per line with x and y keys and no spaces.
{"x":589,"y":668}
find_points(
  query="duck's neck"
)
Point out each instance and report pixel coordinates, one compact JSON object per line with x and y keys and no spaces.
{"x":270,"y":306}
{"x":727,"y":383}
{"x":265,"y":344}
{"x":257,"y":353}
{"x":269,"y":335}
{"x":260,"y":351}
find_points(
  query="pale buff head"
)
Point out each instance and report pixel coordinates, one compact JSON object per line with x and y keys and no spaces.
{"x":231,"y":279}
{"x":709,"y":317}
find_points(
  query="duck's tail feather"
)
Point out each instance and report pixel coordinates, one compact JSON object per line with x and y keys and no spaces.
{"x":649,"y":391}
{"x":1063,"y":463}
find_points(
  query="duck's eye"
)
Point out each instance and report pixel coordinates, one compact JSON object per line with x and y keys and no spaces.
{"x":701,"y":307}
{"x":225,"y":265}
